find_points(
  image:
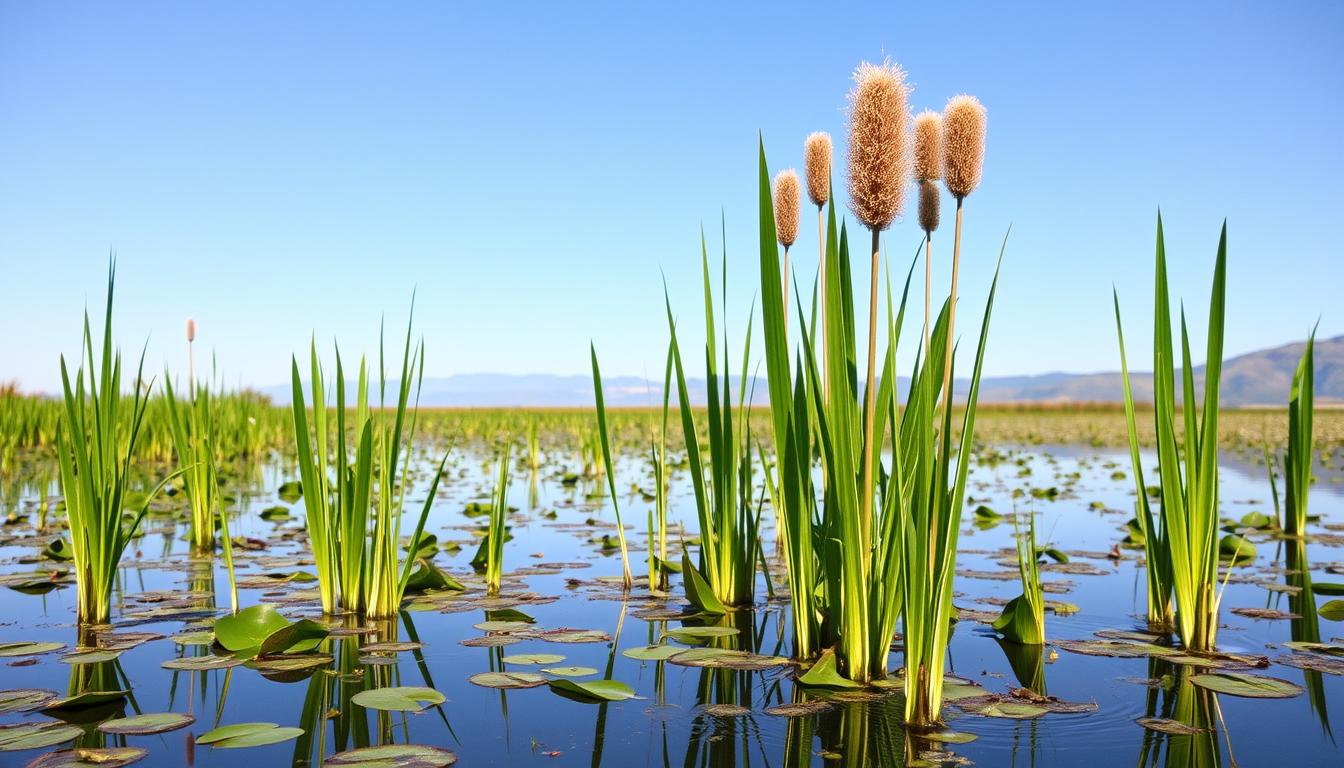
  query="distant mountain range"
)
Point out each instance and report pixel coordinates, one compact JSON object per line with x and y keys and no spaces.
{"x":1259,"y":378}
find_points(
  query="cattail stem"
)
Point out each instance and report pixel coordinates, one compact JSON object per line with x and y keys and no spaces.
{"x":786,"y":295}
{"x":191,"y":371}
{"x":821,"y":272}
{"x":952,"y":311}
{"x":869,"y":397}
{"x":928,"y":280}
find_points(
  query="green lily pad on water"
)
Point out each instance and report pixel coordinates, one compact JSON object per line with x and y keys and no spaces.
{"x":28,"y":648}
{"x":109,"y":757}
{"x":570,"y":671}
{"x":652,"y":652}
{"x":824,"y":674}
{"x":290,"y":492}
{"x":35,"y":735}
{"x":400,"y":699}
{"x":84,"y":700}
{"x":507,"y":679}
{"x":533,"y":658}
{"x":1250,"y":686}
{"x":24,"y":699}
{"x":394,"y":756}
{"x":201,"y":663}
{"x":247,"y":735}
{"x":593,"y":690}
{"x":90,"y":656}
{"x":1332,"y":611}
{"x":697,"y":634}
{"x":724,"y":658}
{"x":140,"y":725}
{"x":502,"y":626}
{"x":249,"y":627}
{"x":1174,"y":727}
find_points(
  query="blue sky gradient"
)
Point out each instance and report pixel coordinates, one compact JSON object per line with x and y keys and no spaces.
{"x":282,"y":169}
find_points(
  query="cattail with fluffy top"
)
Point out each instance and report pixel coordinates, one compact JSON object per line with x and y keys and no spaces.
{"x":928,"y":146}
{"x":963,"y":144}
{"x":788,"y":198}
{"x":191,"y":361}
{"x":928,"y":206}
{"x":817,"y":163}
{"x":879,"y":170}
{"x":879,"y":143}
{"x":191,"y":330}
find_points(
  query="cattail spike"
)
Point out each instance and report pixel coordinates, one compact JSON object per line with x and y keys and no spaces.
{"x":928,"y":146}
{"x":817,"y":164}
{"x":879,"y":143}
{"x":191,"y":330}
{"x":963,"y":144}
{"x":788,"y":198}
{"x":928,"y":206}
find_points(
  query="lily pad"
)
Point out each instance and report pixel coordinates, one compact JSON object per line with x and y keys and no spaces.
{"x":248,"y":628}
{"x":300,"y":637}
{"x":696,"y":634}
{"x":502,"y":626}
{"x":570,"y":671}
{"x":109,"y":757}
{"x":652,"y":652}
{"x":201,"y":663}
{"x":1174,"y":727}
{"x":247,"y":735}
{"x":24,"y":699}
{"x":824,"y":674}
{"x":28,"y":648}
{"x":533,"y":658}
{"x":508,"y":679}
{"x":1332,"y":611}
{"x":723,"y":658}
{"x":140,"y":725}
{"x":90,"y":656}
{"x":1250,"y":686}
{"x":35,"y":735}
{"x":565,"y":635}
{"x":85,"y":700}
{"x":394,"y":756}
{"x":399,"y":699}
{"x":593,"y":690}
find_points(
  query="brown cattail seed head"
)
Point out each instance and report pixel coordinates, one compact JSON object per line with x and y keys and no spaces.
{"x":817,"y":163}
{"x":928,"y":205}
{"x":879,"y":143}
{"x":963,"y":144}
{"x":928,"y":145}
{"x":191,"y":330}
{"x":788,"y":197}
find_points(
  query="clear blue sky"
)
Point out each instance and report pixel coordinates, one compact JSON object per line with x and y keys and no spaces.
{"x":280,"y":169}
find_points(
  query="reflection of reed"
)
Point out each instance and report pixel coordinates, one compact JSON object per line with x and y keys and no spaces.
{"x":1027,"y":663}
{"x":1306,"y":628}
{"x":1174,"y":697}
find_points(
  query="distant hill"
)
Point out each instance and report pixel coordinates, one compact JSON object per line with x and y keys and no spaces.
{"x":1254,"y":379}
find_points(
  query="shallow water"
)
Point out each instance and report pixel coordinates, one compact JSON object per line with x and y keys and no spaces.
{"x":669,"y":724}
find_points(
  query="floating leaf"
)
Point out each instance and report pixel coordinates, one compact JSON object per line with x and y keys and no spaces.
{"x":400,"y":699}
{"x":201,"y":637}
{"x":84,"y":700}
{"x":593,"y":690}
{"x":570,"y":671}
{"x":533,"y":658}
{"x":1174,"y":727}
{"x":824,"y":674}
{"x":1237,"y":548}
{"x":502,"y":626}
{"x":24,"y":699}
{"x":90,"y":656}
{"x":248,"y":628}
{"x":1332,"y":611}
{"x":292,"y":662}
{"x":390,"y":647}
{"x":1116,"y":649}
{"x":724,"y":658}
{"x":201,"y":663}
{"x":109,"y":757}
{"x":1251,"y":686}
{"x":247,"y":735}
{"x":695,"y":634}
{"x":507,"y":679}
{"x":652,"y":652}
{"x":140,"y":725}
{"x":35,"y":735}
{"x":299,"y":637}
{"x":565,"y":635}
{"x":394,"y":756}
{"x":290,"y":492}
{"x":1331,"y":649}
{"x":28,"y":648}
{"x":1327,"y":588}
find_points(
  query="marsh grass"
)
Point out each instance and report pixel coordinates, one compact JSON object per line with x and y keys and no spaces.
{"x":1182,"y":540}
{"x":604,"y":444}
{"x":96,"y":445}
{"x":1297,"y":458}
{"x":1023,"y":618}
{"x":729,"y":541}
{"x":354,"y":522}
{"x":497,"y":532}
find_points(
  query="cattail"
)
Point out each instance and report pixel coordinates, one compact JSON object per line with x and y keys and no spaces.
{"x":191,"y":330}
{"x":788,"y":197}
{"x":879,"y":139}
{"x":817,"y":164}
{"x":928,"y":146}
{"x":963,"y":144}
{"x":928,"y":206}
